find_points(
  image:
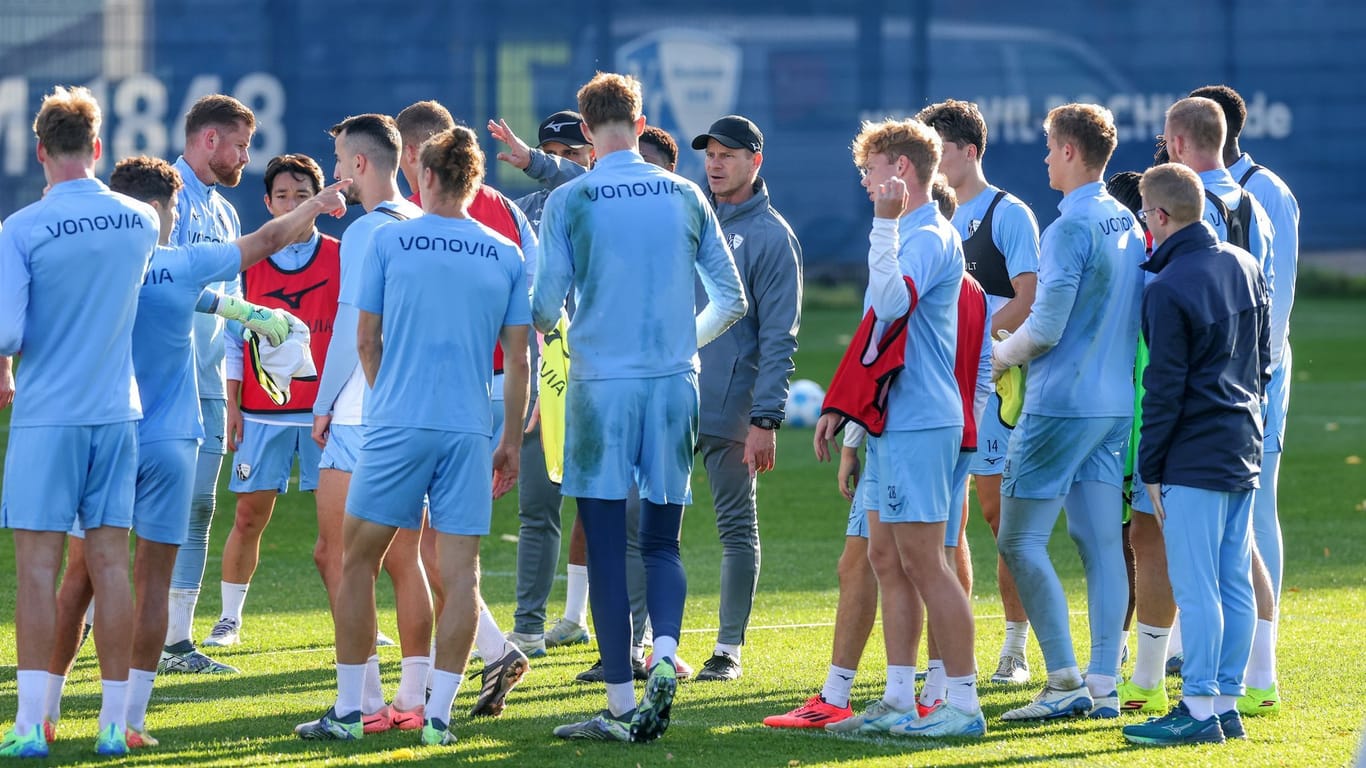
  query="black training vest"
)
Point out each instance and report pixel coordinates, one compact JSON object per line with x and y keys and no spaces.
{"x":984,"y":260}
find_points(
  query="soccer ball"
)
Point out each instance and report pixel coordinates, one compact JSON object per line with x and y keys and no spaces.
{"x":804,"y":400}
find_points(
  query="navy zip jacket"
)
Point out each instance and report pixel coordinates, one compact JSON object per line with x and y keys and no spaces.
{"x":1206,"y":318}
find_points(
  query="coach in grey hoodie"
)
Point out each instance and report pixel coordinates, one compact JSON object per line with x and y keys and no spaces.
{"x":743,"y":384}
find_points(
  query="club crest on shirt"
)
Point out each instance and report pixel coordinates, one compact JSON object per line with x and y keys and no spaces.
{"x":973,"y":225}
{"x":243,"y":471}
{"x":735,"y":240}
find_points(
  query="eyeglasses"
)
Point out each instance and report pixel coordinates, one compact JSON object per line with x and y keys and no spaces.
{"x":1143,"y":215}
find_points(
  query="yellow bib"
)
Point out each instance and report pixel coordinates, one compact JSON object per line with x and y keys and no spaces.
{"x":554,"y":378}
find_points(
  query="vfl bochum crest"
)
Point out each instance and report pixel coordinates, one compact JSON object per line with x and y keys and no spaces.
{"x":689,"y":78}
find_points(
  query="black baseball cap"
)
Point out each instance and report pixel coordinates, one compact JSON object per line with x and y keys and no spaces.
{"x":735,"y":132}
{"x":566,"y":127}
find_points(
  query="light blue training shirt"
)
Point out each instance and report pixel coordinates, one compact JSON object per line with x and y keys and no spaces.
{"x":1087,"y":306}
{"x":445,"y":287}
{"x":203,"y":215}
{"x":629,"y":237}
{"x":71,"y":265}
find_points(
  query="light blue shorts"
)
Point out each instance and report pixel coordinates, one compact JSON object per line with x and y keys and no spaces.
{"x":214,"y":413}
{"x":992,"y":438}
{"x":266,"y":455}
{"x":55,"y":476}
{"x":397,"y":465}
{"x":958,"y":495}
{"x":914,"y":470}
{"x":1048,"y":454}
{"x":1277,"y":404}
{"x":858,"y":515}
{"x":620,"y":432}
{"x":343,"y":447}
{"x":161,"y":505}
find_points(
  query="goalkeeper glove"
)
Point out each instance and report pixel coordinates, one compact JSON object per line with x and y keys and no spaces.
{"x":272,"y":325}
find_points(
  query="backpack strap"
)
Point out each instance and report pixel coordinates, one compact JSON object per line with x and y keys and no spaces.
{"x":1243,"y":181}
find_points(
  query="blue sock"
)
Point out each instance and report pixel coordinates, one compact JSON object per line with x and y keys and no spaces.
{"x":604,"y":526}
{"x":666,"y":584}
{"x":1094,"y":511}
{"x":1026,"y":525}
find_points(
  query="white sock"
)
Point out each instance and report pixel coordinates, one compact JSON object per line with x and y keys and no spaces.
{"x":350,"y":683}
{"x":139,"y":694}
{"x":637,"y":653}
{"x":234,"y":595}
{"x":839,"y":682}
{"x":180,"y":617}
{"x":412,"y":683}
{"x":732,"y":651}
{"x":1174,"y":646}
{"x":431,"y":663}
{"x":52,"y":706}
{"x":487,"y":637}
{"x":1201,"y":707}
{"x":1224,"y":704}
{"x":900,"y":691}
{"x":1017,"y":632}
{"x":621,"y":698}
{"x":113,"y":703}
{"x":445,"y":685}
{"x":1261,"y":665}
{"x":667,"y":648}
{"x":1150,"y":663}
{"x":90,"y":613}
{"x":576,"y":596}
{"x":962,"y":693}
{"x":372,"y":690}
{"x":1100,"y":685}
{"x":32,"y":696}
{"x":1066,"y":679}
{"x":936,"y":683}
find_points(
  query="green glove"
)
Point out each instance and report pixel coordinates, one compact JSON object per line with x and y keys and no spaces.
{"x":272,"y":325}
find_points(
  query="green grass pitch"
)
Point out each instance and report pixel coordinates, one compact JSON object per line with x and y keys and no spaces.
{"x":287,"y":658}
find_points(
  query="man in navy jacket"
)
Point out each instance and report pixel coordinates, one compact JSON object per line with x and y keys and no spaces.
{"x":1206,"y":317}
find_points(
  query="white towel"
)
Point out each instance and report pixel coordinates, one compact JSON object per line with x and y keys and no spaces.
{"x":276,"y":366}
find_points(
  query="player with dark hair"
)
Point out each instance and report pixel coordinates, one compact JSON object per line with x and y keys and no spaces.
{"x":1001,"y":250}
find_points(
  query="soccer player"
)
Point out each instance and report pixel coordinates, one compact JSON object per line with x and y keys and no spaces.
{"x":915,"y":263}
{"x":561,"y":153}
{"x":169,"y":433}
{"x":218,"y":131}
{"x":1206,"y":316}
{"x":435,"y":293}
{"x":744,"y":377}
{"x":1000,"y":249}
{"x":857,"y":606}
{"x":303,"y":278}
{"x":1283,"y":210}
{"x":506,"y":657}
{"x":367,"y":150}
{"x":70,"y":268}
{"x":538,"y":543}
{"x":1195,"y":131}
{"x":1068,"y":446}
{"x":629,"y":237}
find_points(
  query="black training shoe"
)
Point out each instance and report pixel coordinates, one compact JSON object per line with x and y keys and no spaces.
{"x":719,"y":667}
{"x":594,"y":673}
